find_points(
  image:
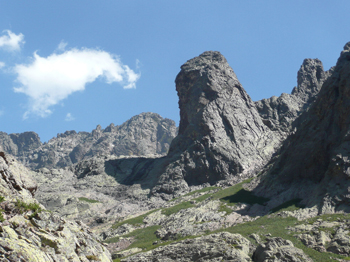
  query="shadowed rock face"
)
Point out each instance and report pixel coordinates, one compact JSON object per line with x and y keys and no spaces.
{"x":314,"y":162}
{"x":221,"y":134}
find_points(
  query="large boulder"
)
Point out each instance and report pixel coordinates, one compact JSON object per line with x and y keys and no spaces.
{"x":215,"y":247}
{"x":279,"y":250}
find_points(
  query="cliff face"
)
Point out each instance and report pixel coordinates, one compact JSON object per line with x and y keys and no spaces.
{"x":29,"y":232}
{"x":144,"y":134}
{"x":221,"y":135}
{"x":313,"y":163}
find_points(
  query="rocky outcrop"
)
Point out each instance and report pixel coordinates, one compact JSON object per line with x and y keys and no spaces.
{"x":325,"y":236}
{"x":29,"y":232}
{"x":215,"y":247}
{"x":221,"y":135}
{"x":279,"y":113}
{"x":278,"y":249}
{"x":144,"y":134}
{"x":313,"y":163}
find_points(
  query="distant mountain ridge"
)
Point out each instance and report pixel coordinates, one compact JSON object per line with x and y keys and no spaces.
{"x":143,"y":134}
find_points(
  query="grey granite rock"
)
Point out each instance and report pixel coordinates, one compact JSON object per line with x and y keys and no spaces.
{"x":325,"y":236}
{"x":279,"y":250}
{"x":221,"y":134}
{"x":215,"y":247}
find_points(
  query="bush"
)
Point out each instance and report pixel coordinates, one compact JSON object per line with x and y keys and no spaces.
{"x":24,"y":207}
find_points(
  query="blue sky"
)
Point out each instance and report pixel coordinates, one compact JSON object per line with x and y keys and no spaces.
{"x":71,"y":65}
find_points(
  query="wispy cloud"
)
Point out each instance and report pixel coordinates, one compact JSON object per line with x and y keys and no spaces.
{"x":69,"y":117}
{"x":2,"y":64}
{"x":49,"y":80}
{"x":2,"y":112}
{"x":11,"y":41}
{"x":62,"y":46}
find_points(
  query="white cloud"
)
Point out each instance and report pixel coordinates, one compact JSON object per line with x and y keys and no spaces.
{"x":11,"y":41}
{"x":49,"y":80}
{"x":62,"y":46}
{"x":2,"y":64}
{"x":69,"y":117}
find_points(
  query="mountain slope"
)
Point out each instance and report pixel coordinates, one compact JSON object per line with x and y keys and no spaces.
{"x":29,"y":232}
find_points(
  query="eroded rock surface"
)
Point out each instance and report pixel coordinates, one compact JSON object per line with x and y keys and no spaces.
{"x":279,"y":250}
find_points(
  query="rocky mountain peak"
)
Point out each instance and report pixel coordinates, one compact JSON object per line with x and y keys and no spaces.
{"x":200,"y":81}
{"x":216,"y":115}
{"x":310,"y":79}
{"x":347,"y":46}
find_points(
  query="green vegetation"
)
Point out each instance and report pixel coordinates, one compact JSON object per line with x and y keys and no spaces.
{"x":277,"y":227}
{"x":290,"y":205}
{"x":244,"y":196}
{"x":88,"y":200}
{"x":111,"y":240}
{"x":225,"y":208}
{"x":202,"y":198}
{"x":2,"y":199}
{"x":270,"y":224}
{"x":133,"y":221}
{"x":144,"y":237}
{"x":24,"y":207}
{"x":205,"y":189}
{"x":234,"y":194}
{"x":174,"y":209}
